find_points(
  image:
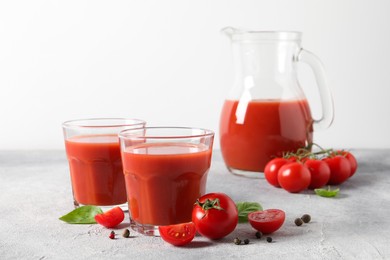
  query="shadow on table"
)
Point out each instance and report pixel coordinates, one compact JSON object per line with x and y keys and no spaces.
{"x":199,"y":244}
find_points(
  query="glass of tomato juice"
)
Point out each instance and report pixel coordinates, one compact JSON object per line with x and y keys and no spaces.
{"x":165,"y":172}
{"x":93,"y":152}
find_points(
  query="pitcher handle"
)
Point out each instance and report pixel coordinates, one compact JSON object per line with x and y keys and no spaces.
{"x":325,"y":95}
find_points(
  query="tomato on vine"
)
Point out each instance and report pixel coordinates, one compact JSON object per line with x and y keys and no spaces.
{"x":272,"y":168}
{"x":351,"y":158}
{"x":340,"y":169}
{"x":294,"y":177}
{"x":319,"y":171}
{"x":304,"y":168}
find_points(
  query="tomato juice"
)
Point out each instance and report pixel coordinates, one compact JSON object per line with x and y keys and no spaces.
{"x":96,"y":170}
{"x":256,"y":132}
{"x":164,"y":180}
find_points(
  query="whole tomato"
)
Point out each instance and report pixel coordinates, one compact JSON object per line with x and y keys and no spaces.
{"x":215,"y":215}
{"x":340,"y":169}
{"x":294,"y":177}
{"x":272,"y":168}
{"x":351,"y":158}
{"x":320,"y":173}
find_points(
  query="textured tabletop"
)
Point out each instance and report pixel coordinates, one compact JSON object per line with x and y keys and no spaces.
{"x":35,"y":190}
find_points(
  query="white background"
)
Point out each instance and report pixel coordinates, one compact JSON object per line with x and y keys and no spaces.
{"x":167,"y":63}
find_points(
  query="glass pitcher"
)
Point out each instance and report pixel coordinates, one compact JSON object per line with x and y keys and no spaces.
{"x":266,"y":113}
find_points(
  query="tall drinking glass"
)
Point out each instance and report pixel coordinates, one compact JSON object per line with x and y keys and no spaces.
{"x":165,"y":172}
{"x":93,"y":151}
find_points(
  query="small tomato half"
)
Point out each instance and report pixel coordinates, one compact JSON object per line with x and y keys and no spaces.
{"x":267,"y":221}
{"x":179,"y":234}
{"x":110,"y":218}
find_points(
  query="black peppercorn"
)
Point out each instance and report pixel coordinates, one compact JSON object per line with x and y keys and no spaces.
{"x":126,"y":233}
{"x":306,"y":218}
{"x":298,"y":221}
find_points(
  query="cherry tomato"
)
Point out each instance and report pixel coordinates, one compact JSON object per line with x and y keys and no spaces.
{"x":352,"y":160}
{"x":271,"y":170}
{"x":267,"y":221}
{"x":320,"y":173}
{"x":294,"y":177}
{"x":110,"y":218}
{"x":340,"y":169}
{"x":215,"y":215}
{"x":179,"y":234}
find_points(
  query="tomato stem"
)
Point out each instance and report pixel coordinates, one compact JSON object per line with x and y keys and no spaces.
{"x":306,"y":152}
{"x":209,"y":204}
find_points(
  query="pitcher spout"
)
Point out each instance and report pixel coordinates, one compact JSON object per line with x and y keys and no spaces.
{"x":230,"y":31}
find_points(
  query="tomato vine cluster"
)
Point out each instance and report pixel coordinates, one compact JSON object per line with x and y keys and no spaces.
{"x":304,"y":169}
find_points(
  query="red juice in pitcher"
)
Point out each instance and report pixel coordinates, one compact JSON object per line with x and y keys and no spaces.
{"x":252,"y":135}
{"x":266,"y":112}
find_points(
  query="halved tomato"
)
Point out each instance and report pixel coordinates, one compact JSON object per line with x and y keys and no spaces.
{"x":179,"y":234}
{"x":267,"y":221}
{"x":110,"y":218}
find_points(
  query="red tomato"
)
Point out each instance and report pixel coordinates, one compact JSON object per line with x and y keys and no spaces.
{"x":215,"y":215}
{"x":340,"y":169}
{"x":272,"y":168}
{"x":179,"y":234}
{"x":267,"y":221}
{"x":350,"y":157}
{"x":294,"y":177}
{"x":110,"y":218}
{"x":352,"y":161}
{"x":320,"y":173}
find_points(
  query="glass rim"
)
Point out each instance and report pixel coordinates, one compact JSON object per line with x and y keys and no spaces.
{"x":242,"y":34}
{"x":112,"y":122}
{"x":206,"y":133}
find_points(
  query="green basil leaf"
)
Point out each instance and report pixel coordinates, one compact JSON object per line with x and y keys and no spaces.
{"x":244,"y":208}
{"x":82,"y":215}
{"x":327,"y":192}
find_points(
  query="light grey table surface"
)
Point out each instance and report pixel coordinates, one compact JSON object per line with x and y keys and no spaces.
{"x":35,"y":190}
